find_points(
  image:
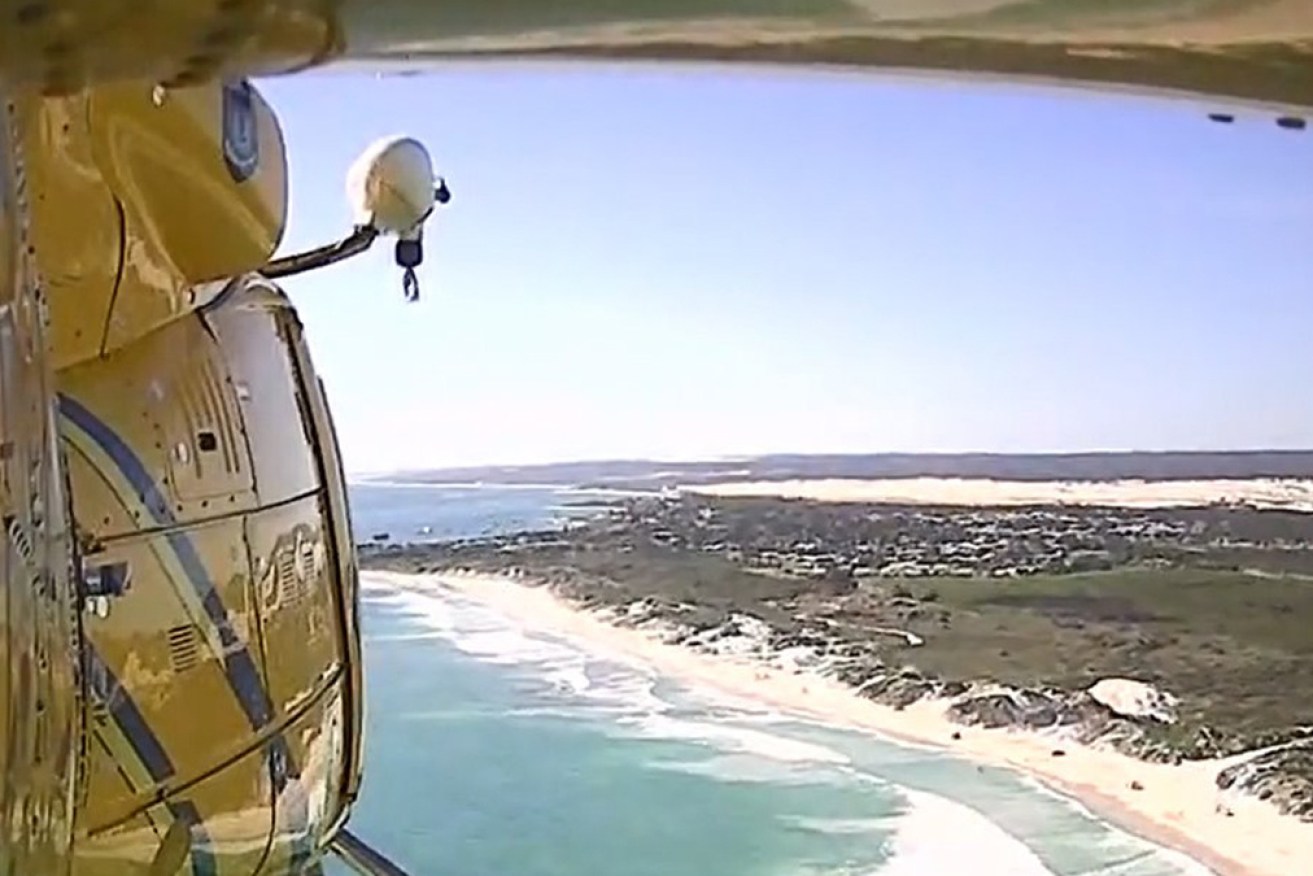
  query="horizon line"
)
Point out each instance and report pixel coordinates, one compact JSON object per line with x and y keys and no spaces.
{"x":741,"y":458}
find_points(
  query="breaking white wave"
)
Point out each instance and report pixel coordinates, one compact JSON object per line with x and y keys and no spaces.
{"x":492,"y":638}
{"x":734,"y":739}
{"x":939,"y":836}
{"x":752,"y":769}
{"x":749,"y":743}
{"x":840,"y":826}
{"x":404,"y":637}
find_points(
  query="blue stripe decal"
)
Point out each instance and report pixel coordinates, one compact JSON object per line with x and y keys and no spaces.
{"x":239,"y":667}
{"x":242,"y":674}
{"x":202,"y":858}
{"x":106,"y":686}
{"x":123,"y":456}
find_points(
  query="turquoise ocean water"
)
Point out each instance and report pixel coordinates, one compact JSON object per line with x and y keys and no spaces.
{"x":497,"y":751}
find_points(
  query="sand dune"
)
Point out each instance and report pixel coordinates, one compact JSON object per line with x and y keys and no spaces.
{"x":1296,"y":495}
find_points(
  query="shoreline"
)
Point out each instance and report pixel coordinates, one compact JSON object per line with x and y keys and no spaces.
{"x":565,"y":489}
{"x":1175,"y":807}
{"x":1268,"y":493}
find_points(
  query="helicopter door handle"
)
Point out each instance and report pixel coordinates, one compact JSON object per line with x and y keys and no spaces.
{"x":102,"y":582}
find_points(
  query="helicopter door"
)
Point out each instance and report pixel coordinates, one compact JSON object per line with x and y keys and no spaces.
{"x":341,"y":547}
{"x":339,"y":563}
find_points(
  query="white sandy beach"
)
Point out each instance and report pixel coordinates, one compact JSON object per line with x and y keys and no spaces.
{"x":1177,"y":806}
{"x":1294,"y":494}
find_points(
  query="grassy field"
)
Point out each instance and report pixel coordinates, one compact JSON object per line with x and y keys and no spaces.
{"x":1236,"y":648}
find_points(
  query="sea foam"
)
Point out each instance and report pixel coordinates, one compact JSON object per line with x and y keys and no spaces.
{"x":939,"y":836}
{"x":933,"y":834}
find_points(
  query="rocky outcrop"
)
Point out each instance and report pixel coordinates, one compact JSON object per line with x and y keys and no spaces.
{"x":835,"y":639}
{"x":1010,"y":707}
{"x":1126,"y":715}
{"x":1135,"y":699}
{"x":1283,"y":776}
{"x":898,"y":687}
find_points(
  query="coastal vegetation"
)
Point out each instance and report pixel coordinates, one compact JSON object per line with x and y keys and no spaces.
{"x":1012,"y":616}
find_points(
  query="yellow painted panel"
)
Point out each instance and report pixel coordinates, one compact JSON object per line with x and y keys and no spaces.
{"x":125,"y":759}
{"x":177,"y":651}
{"x":311,"y":799}
{"x":235,"y":809}
{"x":38,"y":712}
{"x":98,"y":507}
{"x":341,"y":545}
{"x":205,"y":204}
{"x":79,"y":261}
{"x":219,"y":826}
{"x":266,"y":382}
{"x":162,"y":205}
{"x":201,"y":428}
{"x":126,"y":850}
{"x":12,"y":429}
{"x":294,"y":587}
{"x":135,"y":413}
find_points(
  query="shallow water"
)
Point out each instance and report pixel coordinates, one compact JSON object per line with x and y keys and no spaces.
{"x":496,"y":750}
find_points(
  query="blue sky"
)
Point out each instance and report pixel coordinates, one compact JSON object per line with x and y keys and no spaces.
{"x":686,"y":263}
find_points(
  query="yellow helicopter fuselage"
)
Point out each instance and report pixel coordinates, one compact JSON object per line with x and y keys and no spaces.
{"x":212,"y":721}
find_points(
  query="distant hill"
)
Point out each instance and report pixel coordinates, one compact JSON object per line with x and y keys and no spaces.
{"x":647,"y":474}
